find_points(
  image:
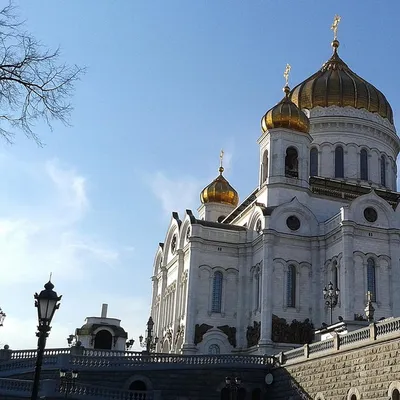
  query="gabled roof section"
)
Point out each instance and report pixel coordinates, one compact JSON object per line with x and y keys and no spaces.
{"x":242,"y":206}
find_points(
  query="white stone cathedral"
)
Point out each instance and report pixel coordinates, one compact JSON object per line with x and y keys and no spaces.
{"x":248,"y":276}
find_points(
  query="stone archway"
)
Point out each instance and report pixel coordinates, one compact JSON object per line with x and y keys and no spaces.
{"x":103,"y":340}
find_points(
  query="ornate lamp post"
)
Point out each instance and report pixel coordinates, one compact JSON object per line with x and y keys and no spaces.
{"x":331,"y":296}
{"x":47,"y":302}
{"x":2,"y":316}
{"x":67,"y":380}
{"x":233,"y":385}
{"x":149,"y":342}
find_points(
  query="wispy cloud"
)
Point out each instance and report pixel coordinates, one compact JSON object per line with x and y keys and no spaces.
{"x":175,"y":194}
{"x":41,"y":210}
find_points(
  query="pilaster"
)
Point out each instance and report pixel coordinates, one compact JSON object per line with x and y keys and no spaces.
{"x":394,"y":243}
{"x":267,"y":278}
{"x":347,"y":273}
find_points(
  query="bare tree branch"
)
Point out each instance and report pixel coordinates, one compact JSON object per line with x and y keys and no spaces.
{"x":34,"y":85}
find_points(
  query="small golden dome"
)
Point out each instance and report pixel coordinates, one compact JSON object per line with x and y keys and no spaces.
{"x":336,"y":84}
{"x":287,"y":115}
{"x":219,"y":191}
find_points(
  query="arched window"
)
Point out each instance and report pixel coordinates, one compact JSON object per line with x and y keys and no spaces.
{"x":257,"y":284}
{"x":138,"y":385}
{"x":395,"y":394}
{"x":214,"y":349}
{"x":371,"y":283}
{"x":314,"y":162}
{"x":291,"y":287}
{"x":264,"y":167}
{"x":291,"y":163}
{"x":335,"y":275}
{"x":217,"y":292}
{"x":103,"y":340}
{"x":364,"y":165}
{"x":353,"y":397}
{"x":383,"y":171}
{"x":339,"y":162}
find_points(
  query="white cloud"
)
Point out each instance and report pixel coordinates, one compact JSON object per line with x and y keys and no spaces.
{"x":41,"y":210}
{"x":175,"y":194}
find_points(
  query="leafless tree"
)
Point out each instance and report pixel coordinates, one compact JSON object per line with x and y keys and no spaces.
{"x":34,"y":84}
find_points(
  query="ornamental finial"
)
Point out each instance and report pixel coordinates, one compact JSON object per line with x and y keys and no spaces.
{"x":221,"y":159}
{"x":335,"y":25}
{"x":286,"y":74}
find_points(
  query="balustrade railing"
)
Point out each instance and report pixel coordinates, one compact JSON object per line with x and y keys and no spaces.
{"x":375,"y":331}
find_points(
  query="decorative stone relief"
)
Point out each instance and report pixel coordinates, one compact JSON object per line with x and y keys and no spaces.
{"x":253,"y":334}
{"x":200,"y":331}
{"x":297,"y":332}
{"x":229,"y":331}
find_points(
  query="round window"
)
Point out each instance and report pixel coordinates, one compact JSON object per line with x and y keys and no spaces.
{"x":370,"y":214}
{"x":293,"y":223}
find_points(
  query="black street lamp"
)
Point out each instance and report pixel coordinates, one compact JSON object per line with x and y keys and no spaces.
{"x":149,"y":342}
{"x":67,"y":381}
{"x":2,"y":316}
{"x":47,"y":302}
{"x":233,"y":385}
{"x":331,"y":296}
{"x":129,"y":344}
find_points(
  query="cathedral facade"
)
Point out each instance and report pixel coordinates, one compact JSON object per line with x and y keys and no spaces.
{"x":248,"y":276}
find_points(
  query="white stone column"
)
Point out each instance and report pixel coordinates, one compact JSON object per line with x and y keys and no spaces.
{"x":267,"y":278}
{"x":177,"y":312}
{"x":190,"y":320}
{"x":395,"y":273}
{"x":322,"y":279}
{"x":242,"y":299}
{"x":346,"y":273}
{"x":316,"y":294}
{"x":162,"y":307}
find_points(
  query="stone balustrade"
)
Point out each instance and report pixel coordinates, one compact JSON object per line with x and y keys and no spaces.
{"x":377,"y":331}
{"x":80,"y":358}
{"x":52,"y":389}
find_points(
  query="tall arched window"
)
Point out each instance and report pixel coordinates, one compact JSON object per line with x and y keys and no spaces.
{"x":339,"y":162}
{"x":217,"y":292}
{"x":291,"y":287}
{"x":291,"y":163}
{"x":264,"y":167}
{"x":395,"y":395}
{"x":314,"y":162}
{"x":383,"y":171}
{"x":257,"y":284}
{"x":335,"y":275}
{"x":214,"y":349}
{"x":371,"y":282}
{"x":364,"y":165}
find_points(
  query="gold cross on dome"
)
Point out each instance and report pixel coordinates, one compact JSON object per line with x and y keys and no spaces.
{"x":221,"y":158}
{"x":286,"y":73}
{"x":335,"y":25}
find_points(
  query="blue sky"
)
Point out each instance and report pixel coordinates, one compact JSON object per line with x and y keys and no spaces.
{"x":169,"y":83}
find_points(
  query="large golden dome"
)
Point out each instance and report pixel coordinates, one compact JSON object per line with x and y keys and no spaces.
{"x":285,"y":115}
{"x":336,"y":84}
{"x":219,"y":191}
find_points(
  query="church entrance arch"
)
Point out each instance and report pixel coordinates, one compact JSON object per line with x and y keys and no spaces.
{"x":103,"y":340}
{"x":140,"y":388}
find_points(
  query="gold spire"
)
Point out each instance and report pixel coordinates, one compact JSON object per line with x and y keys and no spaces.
{"x":334,"y":27}
{"x":285,"y":114}
{"x":219,"y":190}
{"x":286,"y":74}
{"x":221,"y":159}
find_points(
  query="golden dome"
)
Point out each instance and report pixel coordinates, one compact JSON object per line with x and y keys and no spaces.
{"x":219,"y":191}
{"x":287,"y":115}
{"x":336,"y":84}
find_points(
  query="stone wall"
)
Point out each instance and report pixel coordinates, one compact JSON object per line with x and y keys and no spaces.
{"x":367,"y":372}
